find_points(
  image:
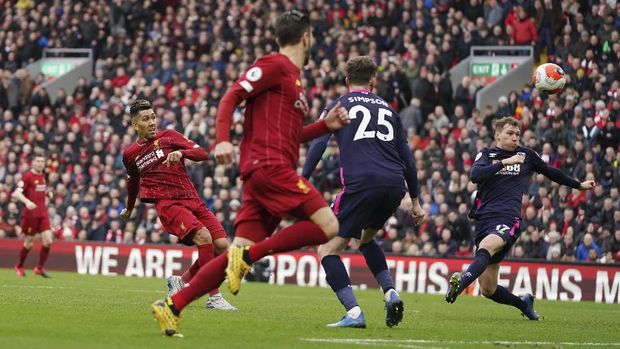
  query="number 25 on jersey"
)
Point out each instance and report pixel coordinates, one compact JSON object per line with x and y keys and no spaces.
{"x":362,"y":131}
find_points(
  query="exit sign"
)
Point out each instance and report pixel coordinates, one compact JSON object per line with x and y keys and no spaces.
{"x":56,"y":69}
{"x":490,"y":69}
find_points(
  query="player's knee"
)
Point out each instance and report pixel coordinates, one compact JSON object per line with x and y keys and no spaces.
{"x":326,"y":250}
{"x":28,"y":244}
{"x":47,"y":239}
{"x":220,"y":245}
{"x":487,"y":290}
{"x":202,"y":237}
{"x":330,"y":228}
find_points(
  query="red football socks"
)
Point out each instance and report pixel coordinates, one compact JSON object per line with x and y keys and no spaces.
{"x":45,"y":251}
{"x":301,"y":234}
{"x":209,"y":277}
{"x":23,"y":253}
{"x":191,"y":271}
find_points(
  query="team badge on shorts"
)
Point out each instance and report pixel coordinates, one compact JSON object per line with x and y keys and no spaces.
{"x":303,"y":187}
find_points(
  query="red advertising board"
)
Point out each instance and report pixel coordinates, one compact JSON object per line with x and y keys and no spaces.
{"x":554,"y":281}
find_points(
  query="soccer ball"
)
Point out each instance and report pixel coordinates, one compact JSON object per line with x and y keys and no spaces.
{"x":549,"y":78}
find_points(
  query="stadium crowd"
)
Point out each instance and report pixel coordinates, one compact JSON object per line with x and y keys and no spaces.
{"x":183,"y":55}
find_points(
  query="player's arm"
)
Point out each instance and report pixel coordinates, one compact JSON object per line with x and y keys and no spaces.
{"x":186,"y":149}
{"x":482,"y":168}
{"x":335,"y":119}
{"x":411,"y":172}
{"x":557,"y":175}
{"x":263,"y":75}
{"x":19,"y":194}
{"x":317,"y":148}
{"x":133,"y":187}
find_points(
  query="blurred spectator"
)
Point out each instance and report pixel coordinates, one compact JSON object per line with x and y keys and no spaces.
{"x":588,"y":250}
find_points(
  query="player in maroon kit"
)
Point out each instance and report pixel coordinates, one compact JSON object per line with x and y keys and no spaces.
{"x":31,"y":191}
{"x":273,"y":129}
{"x":155,"y":169}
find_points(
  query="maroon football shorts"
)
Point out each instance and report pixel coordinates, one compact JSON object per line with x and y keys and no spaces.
{"x":271,"y":193}
{"x":35,"y":225}
{"x":184,"y":218}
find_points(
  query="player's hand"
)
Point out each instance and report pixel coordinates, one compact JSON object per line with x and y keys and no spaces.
{"x":587,"y":185}
{"x":417,"y":212}
{"x":337,"y":117}
{"x":515,"y":159}
{"x":125,"y":214}
{"x":31,"y":205}
{"x":173,"y":158}
{"x":224,"y":153}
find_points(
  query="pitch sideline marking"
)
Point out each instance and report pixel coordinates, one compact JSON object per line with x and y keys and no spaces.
{"x":79,"y":288}
{"x":410,"y":343}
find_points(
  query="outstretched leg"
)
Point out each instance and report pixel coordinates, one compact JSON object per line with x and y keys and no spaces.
{"x":490,"y":245}
{"x":499,"y":294}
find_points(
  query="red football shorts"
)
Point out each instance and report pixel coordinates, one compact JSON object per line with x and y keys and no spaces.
{"x":184,"y":218}
{"x":271,"y":193}
{"x":35,"y":225}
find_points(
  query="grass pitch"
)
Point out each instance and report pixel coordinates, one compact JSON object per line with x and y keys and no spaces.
{"x":77,"y":311}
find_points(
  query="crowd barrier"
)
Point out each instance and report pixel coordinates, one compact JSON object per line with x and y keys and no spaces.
{"x":554,"y":281}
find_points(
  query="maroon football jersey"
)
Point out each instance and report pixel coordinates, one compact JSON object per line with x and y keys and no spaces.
{"x":145,"y":166}
{"x":274,"y":113}
{"x":34,"y":188}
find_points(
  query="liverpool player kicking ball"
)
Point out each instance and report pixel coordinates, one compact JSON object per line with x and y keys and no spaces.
{"x":502,"y":174}
{"x":155,"y":170}
{"x":31,"y":190}
{"x":273,"y":129}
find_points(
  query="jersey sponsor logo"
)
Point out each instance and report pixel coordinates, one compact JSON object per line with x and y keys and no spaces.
{"x":303,"y":187}
{"x":510,"y":170}
{"x":149,"y":159}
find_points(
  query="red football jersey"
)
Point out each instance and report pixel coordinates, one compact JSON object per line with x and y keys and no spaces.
{"x":146,"y":170}
{"x":34,"y":188}
{"x":274,"y":113}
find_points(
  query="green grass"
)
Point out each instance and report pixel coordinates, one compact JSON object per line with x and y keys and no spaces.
{"x":75,"y":311}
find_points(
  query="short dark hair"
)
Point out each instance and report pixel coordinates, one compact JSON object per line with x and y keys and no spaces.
{"x":290,"y":27}
{"x":38,"y":154}
{"x":137,"y":106}
{"x":360,"y":70}
{"x":501,"y":123}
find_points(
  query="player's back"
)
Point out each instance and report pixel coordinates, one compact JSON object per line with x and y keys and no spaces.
{"x":369,"y":155}
{"x":274,"y":117}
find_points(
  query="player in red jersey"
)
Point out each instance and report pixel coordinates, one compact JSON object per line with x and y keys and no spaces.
{"x":31,"y":191}
{"x":155,"y":170}
{"x":273,"y":129}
